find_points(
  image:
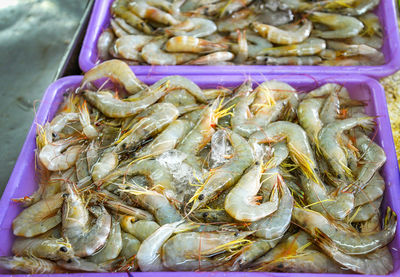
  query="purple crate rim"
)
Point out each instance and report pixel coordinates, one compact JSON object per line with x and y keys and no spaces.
{"x":53,"y":95}
{"x":391,"y":49}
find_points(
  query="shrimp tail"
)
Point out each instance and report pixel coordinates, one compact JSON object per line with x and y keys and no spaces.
{"x":368,"y":123}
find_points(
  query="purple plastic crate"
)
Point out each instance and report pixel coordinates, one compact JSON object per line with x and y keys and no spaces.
{"x":391,"y":49}
{"x":22,"y":180}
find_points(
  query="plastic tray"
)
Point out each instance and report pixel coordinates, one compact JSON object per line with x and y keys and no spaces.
{"x":22,"y":180}
{"x":391,"y":49}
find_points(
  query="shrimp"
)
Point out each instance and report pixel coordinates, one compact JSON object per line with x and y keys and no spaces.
{"x":130,"y":246}
{"x":105,"y":165}
{"x":104,"y":43}
{"x":275,"y":225}
{"x":77,"y":264}
{"x":212,"y":215}
{"x":59,"y":155}
{"x":120,"y":207}
{"x":166,"y":140}
{"x":157,"y":204}
{"x":297,"y":142}
{"x":372,"y":191}
{"x":346,"y":50}
{"x":213,"y":58}
{"x":309,"y":119}
{"x":326,"y":90}
{"x":141,"y":229}
{"x":129,"y":47}
{"x":238,"y":20}
{"x":342,"y":26}
{"x":374,"y":41}
{"x":130,"y":30}
{"x":88,"y":129}
{"x":120,"y":8}
{"x":161,"y":115}
{"x":193,"y":27}
{"x":328,"y":138}
{"x":117,"y":71}
{"x":116,"y":108}
{"x":308,"y":60}
{"x":378,"y":262}
{"x":38,"y":218}
{"x":348,"y":241}
{"x":365,"y":212}
{"x":153,"y":54}
{"x":148,"y":10}
{"x":279,"y":36}
{"x":191,"y":251}
{"x":183,"y":100}
{"x":373,"y":157}
{"x":75,"y":224}
{"x":310,"y":46}
{"x":232,"y":6}
{"x":149,"y":254}
{"x":330,"y":109}
{"x":225,"y":176}
{"x":119,"y":32}
{"x":242,"y":48}
{"x":30,"y":265}
{"x":45,"y":248}
{"x":336,"y":206}
{"x":192,"y":45}
{"x":362,"y":6}
{"x":113,"y":246}
{"x":241,"y":201}
{"x":252,"y":252}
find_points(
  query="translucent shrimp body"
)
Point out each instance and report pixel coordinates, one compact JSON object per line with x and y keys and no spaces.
{"x":308,"y":47}
{"x":192,"y":45}
{"x":59,"y":155}
{"x":194,"y":27}
{"x":308,"y":114}
{"x":30,"y":265}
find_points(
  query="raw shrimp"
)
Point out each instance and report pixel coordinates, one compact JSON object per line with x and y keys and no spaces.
{"x":148,"y":10}
{"x":349,"y":241}
{"x":153,"y":54}
{"x":119,"y":32}
{"x":141,"y":229}
{"x":372,"y":191}
{"x":120,"y":207}
{"x":297,"y":142}
{"x":75,"y":224}
{"x":116,"y":108}
{"x":365,"y":212}
{"x":192,"y":45}
{"x":182,"y":99}
{"x":46,"y":248}
{"x":38,"y":218}
{"x":117,"y":71}
{"x":161,"y":115}
{"x":331,"y":149}
{"x":362,"y":6}
{"x":373,"y":157}
{"x":225,"y":176}
{"x":326,"y":90}
{"x":105,"y":165}
{"x":279,"y":36}
{"x":113,"y":246}
{"x":88,"y":129}
{"x":378,"y":262}
{"x":129,"y":47}
{"x":194,"y":27}
{"x":104,"y":43}
{"x":336,"y":206}
{"x":275,"y":225}
{"x":242,"y":48}
{"x":308,"y":60}
{"x":239,"y":20}
{"x":130,"y":245}
{"x":190,"y":251}
{"x":343,"y":26}
{"x":309,"y":119}
{"x":30,"y":265}
{"x":166,"y":140}
{"x":149,"y":254}
{"x":308,"y":47}
{"x":76,"y":264}
{"x":213,"y":58}
{"x":241,"y":201}
{"x":233,"y":6}
{"x":346,"y":50}
{"x":330,"y":109}
{"x":120,"y":8}
{"x":126,"y":27}
{"x":59,"y":155}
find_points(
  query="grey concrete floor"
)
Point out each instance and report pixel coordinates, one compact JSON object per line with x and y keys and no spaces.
{"x":34,"y":34}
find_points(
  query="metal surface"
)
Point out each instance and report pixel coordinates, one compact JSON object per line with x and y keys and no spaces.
{"x":34,"y":35}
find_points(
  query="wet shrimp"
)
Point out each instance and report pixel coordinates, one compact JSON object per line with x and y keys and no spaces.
{"x":279,"y":36}
{"x":365,"y":212}
{"x":104,"y":43}
{"x":149,"y":254}
{"x":213,"y":58}
{"x":122,"y":208}
{"x":242,"y":48}
{"x":120,"y":8}
{"x":130,"y":30}
{"x":141,"y":229}
{"x":241,"y":201}
{"x":239,"y":20}
{"x":153,"y":54}
{"x":192,"y":45}
{"x":88,"y":129}
{"x":307,"y":60}
{"x":330,"y":147}
{"x":193,"y":27}
{"x":348,"y":241}
{"x":59,"y":155}
{"x":342,"y":26}
{"x":129,"y":47}
{"x":309,"y":118}
{"x":147,"y":9}
{"x":225,"y":176}
{"x":38,"y":218}
{"x":189,"y":251}
{"x":30,"y":265}
{"x":308,"y":47}
{"x":117,"y":71}
{"x":372,"y":191}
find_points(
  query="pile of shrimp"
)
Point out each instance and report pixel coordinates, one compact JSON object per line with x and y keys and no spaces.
{"x":172,"y":177}
{"x":227,"y":32}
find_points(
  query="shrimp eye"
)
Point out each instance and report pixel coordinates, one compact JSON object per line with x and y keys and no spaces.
{"x":54,"y":135}
{"x":205,"y":214}
{"x":63,"y":249}
{"x":65,"y":195}
{"x":236,"y":234}
{"x":201,"y":197}
{"x":257,"y":163}
{"x":69,"y":261}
